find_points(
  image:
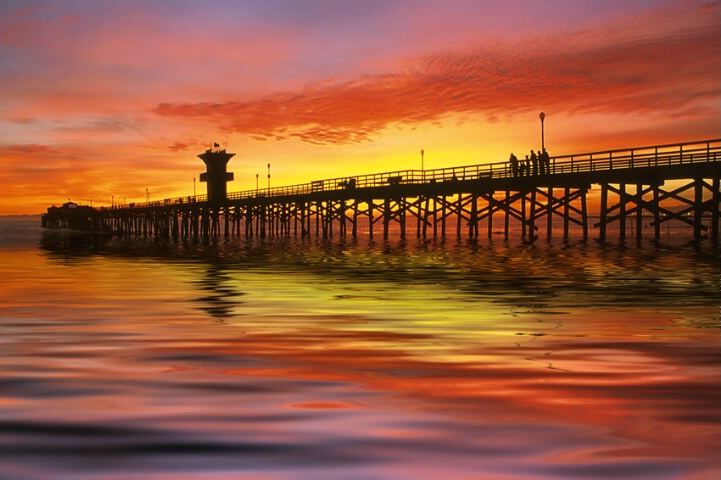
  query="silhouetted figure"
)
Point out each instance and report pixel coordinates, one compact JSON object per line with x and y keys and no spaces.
{"x":525,"y":166}
{"x":534,"y":161}
{"x":545,"y":162}
{"x":514,"y":164}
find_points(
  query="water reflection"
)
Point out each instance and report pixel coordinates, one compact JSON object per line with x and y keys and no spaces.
{"x":532,"y":276}
{"x":138,"y":358}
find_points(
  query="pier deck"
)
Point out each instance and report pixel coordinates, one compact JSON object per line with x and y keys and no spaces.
{"x":657,"y":183}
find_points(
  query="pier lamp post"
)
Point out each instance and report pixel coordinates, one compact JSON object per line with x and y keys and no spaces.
{"x":542,"y":116}
{"x":256,"y":183}
{"x":193,"y":186}
{"x":269,"y":178}
{"x":423,"y":169}
{"x":147,"y":196}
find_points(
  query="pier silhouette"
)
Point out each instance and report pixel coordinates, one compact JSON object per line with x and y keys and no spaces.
{"x":461,"y":200}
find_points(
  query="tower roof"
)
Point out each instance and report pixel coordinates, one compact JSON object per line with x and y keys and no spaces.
{"x":215,"y":156}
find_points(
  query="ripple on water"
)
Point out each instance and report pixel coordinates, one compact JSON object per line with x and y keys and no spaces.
{"x":295,"y":359}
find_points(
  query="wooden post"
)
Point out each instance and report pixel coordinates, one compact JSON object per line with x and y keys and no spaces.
{"x":532,"y":216}
{"x":507,"y":222}
{"x":490,"y":216}
{"x":342,"y":228}
{"x":250,"y":211}
{"x":328,"y":219}
{"x":425,"y":216}
{"x":549,"y":210}
{"x":622,"y":211}
{"x":656,"y":213}
{"x":419,"y":215}
{"x":715,"y":208}
{"x":566,"y":201}
{"x":471,"y":216}
{"x":386,"y":217}
{"x":355,"y":219}
{"x":459,"y":213}
{"x":370,"y":217}
{"x":443,"y":219}
{"x":226,"y":221}
{"x":523,"y":215}
{"x":639,"y":210}
{"x":473,"y":220}
{"x":584,"y":213}
{"x":318,"y":217}
{"x":604,"y":211}
{"x":697,"y":207}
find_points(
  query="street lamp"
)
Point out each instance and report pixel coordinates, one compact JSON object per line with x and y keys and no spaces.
{"x":542,"y":116}
{"x":269,"y":178}
{"x":256,"y":182}
{"x":423,"y":170}
{"x":193,"y":186}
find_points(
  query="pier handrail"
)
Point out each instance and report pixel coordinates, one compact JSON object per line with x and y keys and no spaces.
{"x":704,"y":151}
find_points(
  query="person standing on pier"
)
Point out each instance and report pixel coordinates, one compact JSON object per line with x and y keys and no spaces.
{"x":514,"y":164}
{"x":545,"y":160}
{"x":534,"y":161}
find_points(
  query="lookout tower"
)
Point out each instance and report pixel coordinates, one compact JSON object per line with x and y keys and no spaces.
{"x":216,"y":161}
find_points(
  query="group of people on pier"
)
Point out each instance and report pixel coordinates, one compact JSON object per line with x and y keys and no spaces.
{"x":537,"y":164}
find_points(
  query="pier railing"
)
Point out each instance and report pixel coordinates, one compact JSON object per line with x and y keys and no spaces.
{"x":653,"y":156}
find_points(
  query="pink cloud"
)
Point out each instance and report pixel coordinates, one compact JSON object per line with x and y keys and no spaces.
{"x":109,"y":60}
{"x":27,"y":149}
{"x":634,"y":68}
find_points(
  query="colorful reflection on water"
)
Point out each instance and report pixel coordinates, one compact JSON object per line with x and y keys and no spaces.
{"x":302,"y":359}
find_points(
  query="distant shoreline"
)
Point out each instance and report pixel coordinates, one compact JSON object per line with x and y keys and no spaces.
{"x":17,"y":218}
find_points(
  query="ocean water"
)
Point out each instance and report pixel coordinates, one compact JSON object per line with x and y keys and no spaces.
{"x":294,"y":358}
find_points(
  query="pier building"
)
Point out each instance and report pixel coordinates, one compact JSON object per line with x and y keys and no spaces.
{"x":216,"y":176}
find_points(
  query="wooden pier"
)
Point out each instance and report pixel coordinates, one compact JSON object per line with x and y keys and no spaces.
{"x":637,"y":190}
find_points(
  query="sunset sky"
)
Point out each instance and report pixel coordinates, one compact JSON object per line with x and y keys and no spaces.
{"x":102,"y":100}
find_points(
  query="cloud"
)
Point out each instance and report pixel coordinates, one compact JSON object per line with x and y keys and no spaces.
{"x":30,"y":149}
{"x":22,"y":120}
{"x":107,"y":125}
{"x":179,"y":147}
{"x":635,"y":67}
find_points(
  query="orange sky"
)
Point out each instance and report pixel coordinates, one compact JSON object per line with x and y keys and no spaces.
{"x":103,"y":100}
